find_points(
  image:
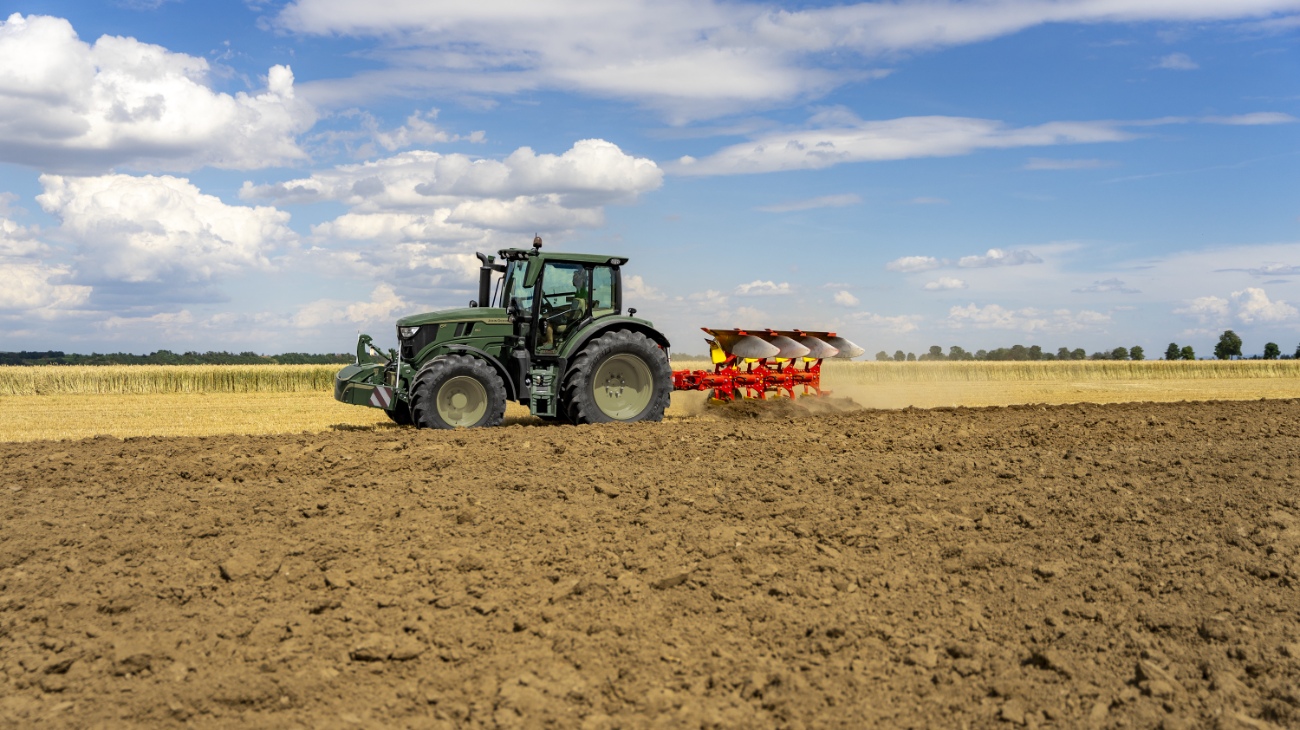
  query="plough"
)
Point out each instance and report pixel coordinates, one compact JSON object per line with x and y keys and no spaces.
{"x":765,"y":363}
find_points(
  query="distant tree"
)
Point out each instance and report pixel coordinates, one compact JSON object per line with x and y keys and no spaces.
{"x":899,"y":356}
{"x":1229,"y":345}
{"x":303,"y":358}
{"x":935,"y":353}
{"x":1187,"y":353}
{"x":882,"y":356}
{"x":981,"y":354}
{"x":911,"y":357}
{"x":1119,"y":353}
{"x":1173,"y":352}
{"x":1035,"y":353}
{"x":1078,"y":353}
{"x":1272,"y":351}
{"x":1099,"y":356}
{"x":1137,"y":353}
{"x":1063,"y":353}
{"x":957,"y":353}
{"x":1297,"y":353}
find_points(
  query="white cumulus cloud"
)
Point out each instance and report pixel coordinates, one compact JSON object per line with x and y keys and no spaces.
{"x":33,"y":286}
{"x":369,"y":136}
{"x":999,"y":257}
{"x":1248,"y":306}
{"x":760,"y":288}
{"x":636,"y":289}
{"x":895,"y":324}
{"x":382,"y":308}
{"x":1205,"y":309}
{"x":159,"y":229}
{"x":1253,"y":305}
{"x":911,"y":264}
{"x":945,"y":283}
{"x":417,"y":215}
{"x":845,"y":299}
{"x":69,"y":106}
{"x":1028,"y":319}
{"x":592,"y":172}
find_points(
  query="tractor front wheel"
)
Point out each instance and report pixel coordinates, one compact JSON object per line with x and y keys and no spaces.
{"x":458,"y":392}
{"x":400,"y":414}
{"x":621,"y":376}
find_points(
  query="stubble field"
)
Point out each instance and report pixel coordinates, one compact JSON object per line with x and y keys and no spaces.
{"x":1124,"y":565}
{"x":73,"y":402}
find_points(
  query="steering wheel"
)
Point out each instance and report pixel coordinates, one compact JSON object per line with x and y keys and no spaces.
{"x":551,"y":311}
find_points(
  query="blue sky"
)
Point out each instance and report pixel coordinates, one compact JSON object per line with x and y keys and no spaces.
{"x":275,"y":176}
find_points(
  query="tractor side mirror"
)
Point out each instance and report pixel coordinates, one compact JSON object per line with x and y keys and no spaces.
{"x":512,"y":311}
{"x":473,"y":303}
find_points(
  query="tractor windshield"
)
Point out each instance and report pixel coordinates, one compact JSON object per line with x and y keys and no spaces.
{"x":514,"y":286}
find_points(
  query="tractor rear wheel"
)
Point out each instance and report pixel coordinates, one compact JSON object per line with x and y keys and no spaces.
{"x":458,"y":392}
{"x":620,"y":376}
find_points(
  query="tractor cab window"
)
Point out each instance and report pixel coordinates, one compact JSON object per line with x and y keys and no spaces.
{"x":515,"y":289}
{"x":602,"y":291}
{"x":565,"y":301}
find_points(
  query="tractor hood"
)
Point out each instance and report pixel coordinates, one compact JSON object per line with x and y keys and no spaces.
{"x":463,"y":314}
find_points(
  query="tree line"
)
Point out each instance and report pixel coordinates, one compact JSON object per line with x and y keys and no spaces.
{"x":1015,"y":352}
{"x":167,"y":357}
{"x":1228,"y":347}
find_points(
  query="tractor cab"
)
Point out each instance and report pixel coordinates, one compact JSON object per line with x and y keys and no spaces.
{"x":550,"y":297}
{"x":546,"y":330}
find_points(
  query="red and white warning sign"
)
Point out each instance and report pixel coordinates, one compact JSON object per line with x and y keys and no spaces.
{"x":382,"y":397}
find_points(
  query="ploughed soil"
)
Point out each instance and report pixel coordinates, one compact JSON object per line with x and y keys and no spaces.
{"x":1128,"y":565}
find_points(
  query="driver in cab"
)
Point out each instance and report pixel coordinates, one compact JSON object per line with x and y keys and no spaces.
{"x":570,"y":313}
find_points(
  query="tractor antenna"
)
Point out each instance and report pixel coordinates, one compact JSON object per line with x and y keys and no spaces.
{"x":537,"y":242}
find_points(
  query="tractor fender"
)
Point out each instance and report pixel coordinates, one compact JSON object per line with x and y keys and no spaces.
{"x":475,"y":352}
{"x":606,"y":324}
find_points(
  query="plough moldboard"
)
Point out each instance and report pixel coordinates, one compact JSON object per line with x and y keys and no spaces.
{"x":765,"y":363}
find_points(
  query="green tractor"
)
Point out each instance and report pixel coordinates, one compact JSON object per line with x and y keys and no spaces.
{"x":550,"y":334}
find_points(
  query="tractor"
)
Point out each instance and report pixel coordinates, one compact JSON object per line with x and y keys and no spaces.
{"x":551,"y":334}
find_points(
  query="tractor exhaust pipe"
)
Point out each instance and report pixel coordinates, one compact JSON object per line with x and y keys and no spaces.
{"x":484,"y":281}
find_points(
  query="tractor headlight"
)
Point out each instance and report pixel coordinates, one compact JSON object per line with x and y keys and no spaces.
{"x":407,"y":332}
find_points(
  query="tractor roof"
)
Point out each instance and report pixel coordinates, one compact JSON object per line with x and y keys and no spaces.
{"x":523,"y":254}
